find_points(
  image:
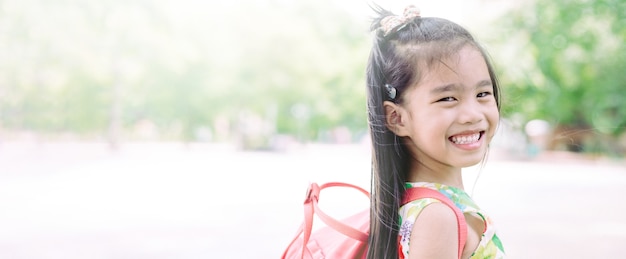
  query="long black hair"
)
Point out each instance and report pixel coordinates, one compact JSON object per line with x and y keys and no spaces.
{"x":398,"y":59}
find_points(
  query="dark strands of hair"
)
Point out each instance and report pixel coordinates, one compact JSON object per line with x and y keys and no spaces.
{"x":397,"y":59}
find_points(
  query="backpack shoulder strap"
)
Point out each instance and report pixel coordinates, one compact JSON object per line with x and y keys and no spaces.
{"x":311,"y":209}
{"x":416,"y":193}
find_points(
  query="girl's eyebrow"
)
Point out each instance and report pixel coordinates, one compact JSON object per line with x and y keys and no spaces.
{"x":484,"y":83}
{"x":444,"y":88}
{"x":454,"y":87}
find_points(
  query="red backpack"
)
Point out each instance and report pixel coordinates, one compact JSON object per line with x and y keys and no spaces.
{"x":347,"y":238}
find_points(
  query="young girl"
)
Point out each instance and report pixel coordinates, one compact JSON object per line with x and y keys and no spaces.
{"x":433,"y":103}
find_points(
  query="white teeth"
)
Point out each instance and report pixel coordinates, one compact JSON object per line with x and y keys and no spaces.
{"x":467,"y":139}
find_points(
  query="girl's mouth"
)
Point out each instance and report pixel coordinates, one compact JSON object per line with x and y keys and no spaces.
{"x":465,"y":139}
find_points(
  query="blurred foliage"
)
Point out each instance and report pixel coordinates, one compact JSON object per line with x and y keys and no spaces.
{"x":206,"y":70}
{"x":101,"y":68}
{"x":566,"y":63}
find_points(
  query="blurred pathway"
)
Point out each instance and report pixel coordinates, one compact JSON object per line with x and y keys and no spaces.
{"x":203,"y":201}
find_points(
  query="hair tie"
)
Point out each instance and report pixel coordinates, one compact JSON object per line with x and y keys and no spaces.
{"x":394,"y":23}
{"x":391,"y":91}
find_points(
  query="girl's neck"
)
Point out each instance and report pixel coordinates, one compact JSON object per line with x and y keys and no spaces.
{"x":420,"y":172}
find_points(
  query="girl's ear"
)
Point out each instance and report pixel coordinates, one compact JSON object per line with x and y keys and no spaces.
{"x":395,"y":118}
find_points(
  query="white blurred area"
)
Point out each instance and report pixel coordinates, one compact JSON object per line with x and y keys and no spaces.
{"x":173,"y":200}
{"x":71,"y":200}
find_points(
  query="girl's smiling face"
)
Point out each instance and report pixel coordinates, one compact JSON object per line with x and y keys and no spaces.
{"x":449,"y":117}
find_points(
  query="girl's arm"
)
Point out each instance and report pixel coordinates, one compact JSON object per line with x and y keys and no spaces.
{"x":434,"y":234}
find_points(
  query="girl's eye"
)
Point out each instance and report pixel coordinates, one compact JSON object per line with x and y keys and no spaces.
{"x":447,"y":99}
{"x":483,"y":94}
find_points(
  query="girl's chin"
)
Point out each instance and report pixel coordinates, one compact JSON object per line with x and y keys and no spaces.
{"x":470,"y":161}
{"x":469,"y":164}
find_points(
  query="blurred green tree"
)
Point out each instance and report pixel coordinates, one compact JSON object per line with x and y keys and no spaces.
{"x":567,"y":61}
{"x":99,"y":68}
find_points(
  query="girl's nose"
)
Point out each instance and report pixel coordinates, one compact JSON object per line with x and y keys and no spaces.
{"x":470,"y":112}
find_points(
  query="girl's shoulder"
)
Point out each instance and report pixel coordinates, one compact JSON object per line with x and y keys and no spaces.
{"x":408,"y":212}
{"x":489,"y":246}
{"x":434,"y":219}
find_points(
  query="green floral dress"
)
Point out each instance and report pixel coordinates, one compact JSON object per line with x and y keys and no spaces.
{"x":489,"y":246}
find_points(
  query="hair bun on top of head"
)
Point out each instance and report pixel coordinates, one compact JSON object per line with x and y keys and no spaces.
{"x":394,"y":23}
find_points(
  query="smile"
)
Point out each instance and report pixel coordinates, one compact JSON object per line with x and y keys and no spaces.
{"x":466,"y":139}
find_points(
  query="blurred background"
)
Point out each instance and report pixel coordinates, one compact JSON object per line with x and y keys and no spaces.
{"x":190,"y":129}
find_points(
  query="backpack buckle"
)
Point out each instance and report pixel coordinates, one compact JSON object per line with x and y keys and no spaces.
{"x":312,"y":193}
